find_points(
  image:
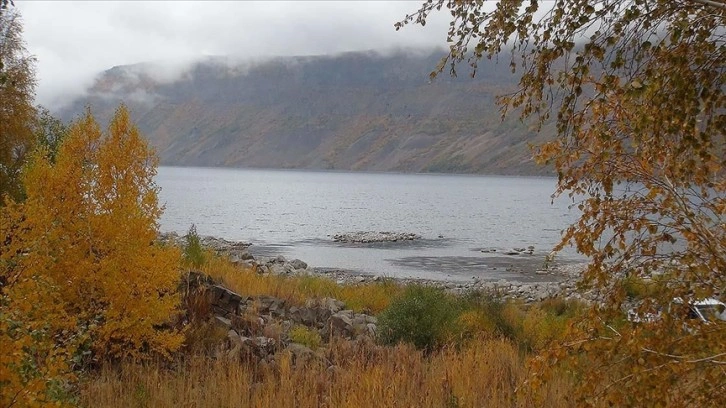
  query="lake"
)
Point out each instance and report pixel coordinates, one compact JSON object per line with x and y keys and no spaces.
{"x":295,"y":213}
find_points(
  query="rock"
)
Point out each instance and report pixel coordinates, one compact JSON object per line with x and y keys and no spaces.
{"x":279,"y":259}
{"x":300,"y":350}
{"x":329,"y":305}
{"x":247,"y":323}
{"x":298,"y":264}
{"x":360,"y":279}
{"x":341,"y":323}
{"x":224,"y":301}
{"x":245,"y":256}
{"x":270,"y":305}
{"x":235,"y":346}
{"x":511,"y":253}
{"x":363,"y":325}
{"x":234,"y":338}
{"x":303,"y":315}
{"x":334,"y":305}
{"x":223,"y":321}
{"x":281,"y":269}
{"x":302,"y":354}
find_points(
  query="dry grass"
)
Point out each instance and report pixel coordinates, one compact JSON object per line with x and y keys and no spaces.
{"x":486,"y":370}
{"x":372,"y":297}
{"x":484,"y":374}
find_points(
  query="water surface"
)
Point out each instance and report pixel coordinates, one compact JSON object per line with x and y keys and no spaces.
{"x":295,"y":213}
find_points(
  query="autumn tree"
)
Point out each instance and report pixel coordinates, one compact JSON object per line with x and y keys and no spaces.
{"x":17,"y":114}
{"x":636,"y":90}
{"x":81,"y":270}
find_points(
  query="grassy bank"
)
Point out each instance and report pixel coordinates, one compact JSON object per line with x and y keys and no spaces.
{"x":476,"y":355}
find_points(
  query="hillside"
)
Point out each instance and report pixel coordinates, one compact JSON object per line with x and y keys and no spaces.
{"x":355,"y":111}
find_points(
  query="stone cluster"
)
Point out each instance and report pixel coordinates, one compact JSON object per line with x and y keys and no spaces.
{"x":259,"y":326}
{"x":366,"y":237}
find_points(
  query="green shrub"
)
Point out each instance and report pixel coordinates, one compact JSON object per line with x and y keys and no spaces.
{"x":637,"y":287}
{"x":193,"y":251}
{"x":559,"y":306}
{"x":423,"y":316}
{"x":305,"y":336}
{"x":491,"y":305}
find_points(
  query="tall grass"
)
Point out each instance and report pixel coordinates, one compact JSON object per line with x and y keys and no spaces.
{"x":486,"y":373}
{"x":370,"y":297}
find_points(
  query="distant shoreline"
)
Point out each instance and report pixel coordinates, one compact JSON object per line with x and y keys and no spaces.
{"x":534,"y":283}
{"x":372,"y":172}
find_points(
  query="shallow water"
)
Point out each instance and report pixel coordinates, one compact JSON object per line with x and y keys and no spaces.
{"x":296,"y":213}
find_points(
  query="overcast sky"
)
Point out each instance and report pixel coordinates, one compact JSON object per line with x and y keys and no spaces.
{"x":73,"y":41}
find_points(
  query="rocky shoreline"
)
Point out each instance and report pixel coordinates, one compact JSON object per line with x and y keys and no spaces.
{"x":554,"y":280}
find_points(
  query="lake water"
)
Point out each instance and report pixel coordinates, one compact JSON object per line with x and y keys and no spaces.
{"x":295,"y":213}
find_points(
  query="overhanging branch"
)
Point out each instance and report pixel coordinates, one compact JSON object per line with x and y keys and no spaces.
{"x":712,"y":3}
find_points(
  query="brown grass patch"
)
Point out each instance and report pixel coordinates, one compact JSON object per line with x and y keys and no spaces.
{"x":487,"y":373}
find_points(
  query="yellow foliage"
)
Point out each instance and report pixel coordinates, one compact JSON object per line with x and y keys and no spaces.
{"x":79,"y":265}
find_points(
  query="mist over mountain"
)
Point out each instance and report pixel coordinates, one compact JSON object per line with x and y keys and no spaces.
{"x":353,"y":111}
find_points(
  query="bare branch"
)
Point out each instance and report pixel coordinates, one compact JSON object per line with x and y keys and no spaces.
{"x":712,"y":3}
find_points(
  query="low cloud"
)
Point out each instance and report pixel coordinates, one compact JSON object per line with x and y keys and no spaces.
{"x":75,"y":41}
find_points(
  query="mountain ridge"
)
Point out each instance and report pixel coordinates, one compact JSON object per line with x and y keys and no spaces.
{"x":360,"y":111}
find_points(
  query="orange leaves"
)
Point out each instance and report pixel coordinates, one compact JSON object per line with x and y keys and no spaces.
{"x":80,"y":258}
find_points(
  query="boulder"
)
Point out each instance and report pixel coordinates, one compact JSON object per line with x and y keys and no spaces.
{"x":304,"y":315}
{"x":298,"y":264}
{"x":235,"y":346}
{"x":281,"y":269}
{"x":270,"y":305}
{"x":224,"y":301}
{"x":302,"y":354}
{"x":359,"y":325}
{"x":334,"y":305}
{"x":341,"y":323}
{"x":223,"y":322}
